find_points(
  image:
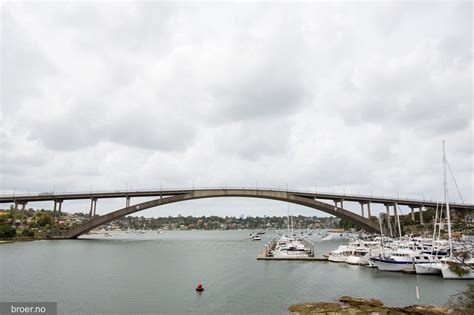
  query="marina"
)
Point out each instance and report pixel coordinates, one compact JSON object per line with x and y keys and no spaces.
{"x":148,"y":271}
{"x":272,"y":250}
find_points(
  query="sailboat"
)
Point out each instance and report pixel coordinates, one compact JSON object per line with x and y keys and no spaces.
{"x":289,"y":245}
{"x":428,"y":263}
{"x":449,"y":264}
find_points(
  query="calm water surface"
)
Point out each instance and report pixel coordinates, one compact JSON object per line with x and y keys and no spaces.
{"x":157,"y":273}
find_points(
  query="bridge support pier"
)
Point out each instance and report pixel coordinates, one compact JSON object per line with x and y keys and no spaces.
{"x":362,"y":209}
{"x":389,"y":223}
{"x":368,"y":210}
{"x":23,"y":205}
{"x":54,"y":214}
{"x":397,"y":218}
{"x":15,"y":209}
{"x":127,"y":202}
{"x":412,"y":213}
{"x":59,"y":211}
{"x":421,"y":215}
{"x":93,"y":207}
{"x":336,"y":201}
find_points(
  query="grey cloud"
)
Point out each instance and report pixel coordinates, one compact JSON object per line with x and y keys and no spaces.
{"x":146,"y":94}
{"x":259,"y":97}
{"x":254,"y":140}
{"x":268,"y":85}
{"x":146,"y":129}
{"x":140,"y":128}
{"x":24,"y":64}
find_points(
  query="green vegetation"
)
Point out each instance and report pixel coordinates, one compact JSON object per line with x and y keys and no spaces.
{"x":346,"y":225}
{"x":460,"y":267}
{"x":7,"y":231}
{"x":43,"y":219}
{"x":222,"y":223}
{"x":37,"y":223}
{"x":24,"y":224}
{"x":27,"y":233}
{"x":459,"y":218}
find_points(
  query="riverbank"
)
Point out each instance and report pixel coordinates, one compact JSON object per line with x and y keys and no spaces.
{"x":349,"y":305}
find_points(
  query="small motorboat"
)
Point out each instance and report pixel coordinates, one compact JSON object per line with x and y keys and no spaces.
{"x":255,"y":237}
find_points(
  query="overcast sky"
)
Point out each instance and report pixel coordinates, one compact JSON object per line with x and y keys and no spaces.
{"x":340,"y":97}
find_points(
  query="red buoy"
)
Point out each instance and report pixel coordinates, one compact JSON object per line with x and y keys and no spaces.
{"x":199,"y":288}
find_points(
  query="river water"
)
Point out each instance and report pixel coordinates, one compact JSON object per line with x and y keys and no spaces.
{"x":157,"y":274}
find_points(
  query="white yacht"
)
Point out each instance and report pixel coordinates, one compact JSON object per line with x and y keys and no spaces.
{"x":360,"y":256}
{"x":426,"y":264}
{"x":289,"y":247}
{"x":400,"y":259}
{"x":449,"y":262}
{"x":340,"y":254}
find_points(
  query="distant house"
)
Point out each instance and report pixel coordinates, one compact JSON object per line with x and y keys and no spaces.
{"x":469,"y":220}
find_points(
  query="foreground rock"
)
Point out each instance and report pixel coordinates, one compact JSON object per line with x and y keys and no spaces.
{"x":352,"y":305}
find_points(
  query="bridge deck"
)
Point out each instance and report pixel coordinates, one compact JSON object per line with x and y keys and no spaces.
{"x":164,"y":193}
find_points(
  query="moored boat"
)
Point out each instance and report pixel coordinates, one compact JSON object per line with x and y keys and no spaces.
{"x":340,"y":254}
{"x":255,"y":237}
{"x":399,"y":260}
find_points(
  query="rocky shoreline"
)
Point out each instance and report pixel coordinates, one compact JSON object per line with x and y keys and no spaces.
{"x":349,"y":305}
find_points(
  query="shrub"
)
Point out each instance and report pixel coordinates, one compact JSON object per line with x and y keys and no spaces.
{"x":7,"y":231}
{"x":28,"y":233}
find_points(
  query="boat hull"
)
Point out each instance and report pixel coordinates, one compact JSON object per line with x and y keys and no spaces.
{"x":427,"y":269}
{"x":337,"y":259}
{"x":448,"y":274}
{"x":353,"y":260}
{"x":393,"y":265}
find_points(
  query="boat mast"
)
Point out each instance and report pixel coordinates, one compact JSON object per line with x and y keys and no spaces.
{"x":291,"y":216}
{"x":381,"y":232}
{"x":434,"y":229}
{"x":398,"y":220}
{"x":446,"y":201}
{"x":440,"y":220}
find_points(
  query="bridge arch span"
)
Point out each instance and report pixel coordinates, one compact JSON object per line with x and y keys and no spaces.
{"x":283,"y":196}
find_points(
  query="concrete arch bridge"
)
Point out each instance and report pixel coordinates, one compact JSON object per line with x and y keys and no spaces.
{"x":163,"y":197}
{"x":96,"y":221}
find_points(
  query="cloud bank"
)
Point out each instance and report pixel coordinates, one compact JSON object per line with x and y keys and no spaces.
{"x":343,"y":97}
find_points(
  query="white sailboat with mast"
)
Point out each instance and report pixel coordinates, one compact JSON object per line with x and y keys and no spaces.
{"x":448,"y":265}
